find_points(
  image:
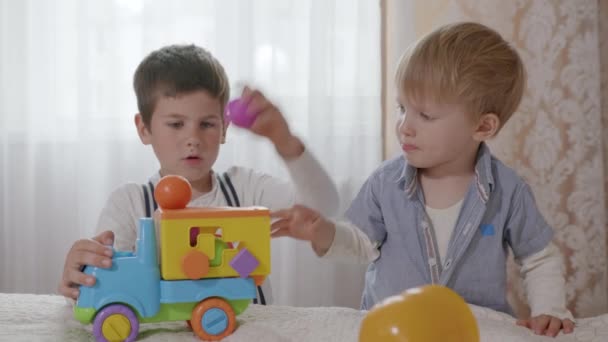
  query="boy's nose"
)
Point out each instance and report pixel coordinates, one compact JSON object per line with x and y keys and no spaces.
{"x":193,"y":141}
{"x":405,"y":126}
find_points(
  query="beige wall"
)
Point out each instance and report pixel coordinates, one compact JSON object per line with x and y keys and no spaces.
{"x":603,"y":29}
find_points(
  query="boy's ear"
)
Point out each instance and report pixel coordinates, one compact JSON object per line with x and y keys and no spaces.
{"x":487,"y":126}
{"x":142,"y":130}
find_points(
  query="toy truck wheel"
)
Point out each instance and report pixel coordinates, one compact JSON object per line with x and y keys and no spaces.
{"x":213,"y":319}
{"x":115,"y":322}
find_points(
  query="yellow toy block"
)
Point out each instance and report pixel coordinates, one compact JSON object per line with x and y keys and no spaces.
{"x":247,"y":227}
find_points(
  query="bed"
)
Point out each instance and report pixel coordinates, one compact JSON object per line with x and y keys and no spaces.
{"x":26,"y":317}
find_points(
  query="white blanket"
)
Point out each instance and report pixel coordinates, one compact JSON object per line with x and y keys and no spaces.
{"x":49,"y":318}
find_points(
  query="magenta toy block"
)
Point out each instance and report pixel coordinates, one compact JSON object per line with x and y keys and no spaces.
{"x":236,"y":112}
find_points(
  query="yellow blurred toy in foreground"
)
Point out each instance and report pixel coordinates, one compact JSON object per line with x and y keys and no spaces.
{"x":430,"y":313}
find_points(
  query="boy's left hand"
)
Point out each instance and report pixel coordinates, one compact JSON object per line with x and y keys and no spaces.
{"x":271,"y":124}
{"x":302,"y":223}
{"x":547,"y":325}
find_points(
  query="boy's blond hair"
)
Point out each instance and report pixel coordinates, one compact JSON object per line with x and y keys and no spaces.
{"x":465,"y":64}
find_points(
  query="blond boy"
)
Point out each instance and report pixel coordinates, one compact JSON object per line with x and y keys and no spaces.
{"x":447,"y":211}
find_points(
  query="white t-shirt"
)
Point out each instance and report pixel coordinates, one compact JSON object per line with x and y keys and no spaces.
{"x":444,"y":221}
{"x":311,"y":186}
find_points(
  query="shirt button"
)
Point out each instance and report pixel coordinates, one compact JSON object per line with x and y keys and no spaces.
{"x":467,"y":228}
{"x":448,"y":263}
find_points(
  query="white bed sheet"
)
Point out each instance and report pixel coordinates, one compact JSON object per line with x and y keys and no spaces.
{"x":49,"y":318}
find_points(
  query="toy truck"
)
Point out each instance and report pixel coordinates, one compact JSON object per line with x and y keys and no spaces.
{"x":211,"y":262}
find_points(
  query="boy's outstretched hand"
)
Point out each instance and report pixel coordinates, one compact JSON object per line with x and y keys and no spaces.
{"x":302,"y":223}
{"x":271,"y":124}
{"x":547,"y":325}
{"x":85,"y":252}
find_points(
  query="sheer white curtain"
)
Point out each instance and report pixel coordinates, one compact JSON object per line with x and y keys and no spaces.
{"x":66,"y":106}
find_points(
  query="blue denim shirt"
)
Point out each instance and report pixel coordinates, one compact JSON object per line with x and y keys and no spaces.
{"x":498,"y":212}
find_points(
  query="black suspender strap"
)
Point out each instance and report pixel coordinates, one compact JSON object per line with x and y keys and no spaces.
{"x":149,"y":201}
{"x":153,"y":199}
{"x":224,"y":191}
{"x":229,"y":182}
{"x":146,"y":200}
{"x":261,"y":294}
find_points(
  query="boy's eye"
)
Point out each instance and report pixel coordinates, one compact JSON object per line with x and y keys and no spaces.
{"x":400,"y":109}
{"x":175,"y":124}
{"x":207,"y":124}
{"x":424,"y":116}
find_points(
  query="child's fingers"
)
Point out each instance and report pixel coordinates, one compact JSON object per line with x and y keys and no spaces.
{"x":280,"y":224}
{"x":72,"y":278}
{"x":258,"y":104}
{"x":85,"y":252}
{"x":555,"y":324}
{"x":75,"y":277}
{"x":254,"y":99}
{"x":105,"y":238}
{"x":279,"y":232}
{"x":246,"y":94}
{"x":539,"y":324}
{"x":523,"y":323}
{"x":86,"y":257}
{"x":282,"y":213}
{"x":93,"y":247}
{"x":67,"y":291}
{"x":568,"y":326}
{"x":262,"y":119}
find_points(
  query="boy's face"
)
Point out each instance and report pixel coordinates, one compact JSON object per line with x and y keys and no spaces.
{"x":185,"y":132}
{"x":434,"y":136}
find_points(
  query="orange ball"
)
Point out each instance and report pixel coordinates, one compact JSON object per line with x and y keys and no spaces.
{"x":173,"y":192}
{"x":430,"y":313}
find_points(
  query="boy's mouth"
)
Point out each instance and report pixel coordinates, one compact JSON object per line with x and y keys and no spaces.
{"x":408,"y":147}
{"x":192,"y":160}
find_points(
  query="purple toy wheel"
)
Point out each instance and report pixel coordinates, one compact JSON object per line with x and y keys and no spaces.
{"x":236,"y":112}
{"x":115,"y":322}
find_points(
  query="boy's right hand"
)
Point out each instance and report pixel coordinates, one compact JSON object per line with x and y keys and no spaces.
{"x":94,"y":252}
{"x":302,"y":223}
{"x":271,"y":123}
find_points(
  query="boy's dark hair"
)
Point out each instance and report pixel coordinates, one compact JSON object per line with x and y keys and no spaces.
{"x":174,"y":70}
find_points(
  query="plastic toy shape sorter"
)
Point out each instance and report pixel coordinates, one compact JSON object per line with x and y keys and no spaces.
{"x":211,"y":261}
